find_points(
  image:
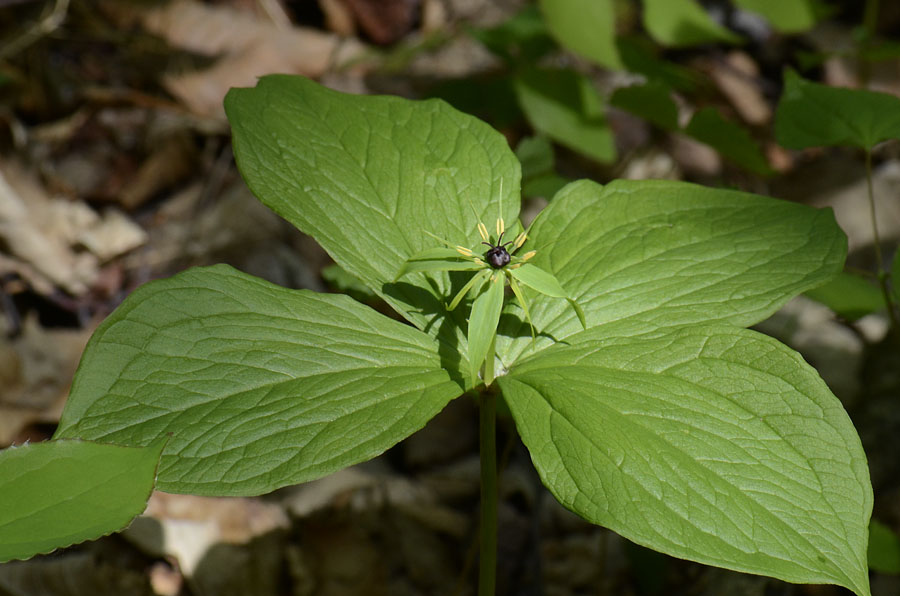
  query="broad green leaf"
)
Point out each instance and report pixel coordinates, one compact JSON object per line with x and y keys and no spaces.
{"x":728,"y":138}
{"x":662,"y":253}
{"x":850,"y":296}
{"x":653,"y":102}
{"x":483,"y":323}
{"x":259,"y":385}
{"x":787,"y":16}
{"x":683,"y":23}
{"x":564,"y":105}
{"x":884,"y":549}
{"x":58,"y":493}
{"x":814,"y":115}
{"x":586,"y":27}
{"x":714,"y":444}
{"x":393,"y":168}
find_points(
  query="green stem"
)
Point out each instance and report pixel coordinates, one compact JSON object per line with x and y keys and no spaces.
{"x":882,"y":274}
{"x":487,"y":560}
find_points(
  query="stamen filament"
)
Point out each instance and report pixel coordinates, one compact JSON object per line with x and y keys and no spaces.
{"x":483,"y":231}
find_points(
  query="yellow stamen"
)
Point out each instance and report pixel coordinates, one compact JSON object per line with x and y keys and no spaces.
{"x":480,"y":262}
{"x":483,"y":231}
{"x":501,"y":227}
{"x":520,"y":240}
{"x":528,"y":255}
{"x":464,"y":251}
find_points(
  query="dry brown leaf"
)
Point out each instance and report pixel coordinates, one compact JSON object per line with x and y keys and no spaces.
{"x":37,"y":368}
{"x":28,"y":228}
{"x":737,"y":79}
{"x":192,"y":525}
{"x":248,"y":48}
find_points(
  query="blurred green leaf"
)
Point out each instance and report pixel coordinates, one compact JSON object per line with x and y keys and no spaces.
{"x":652,"y":102}
{"x":523,"y":37}
{"x":787,"y":16}
{"x":814,"y":115}
{"x":680,"y":23}
{"x":640,"y":55}
{"x":586,"y":27}
{"x":884,"y":549}
{"x":730,"y":139}
{"x":539,"y":177}
{"x":565,"y":106}
{"x":536,"y":155}
{"x":850,"y":296}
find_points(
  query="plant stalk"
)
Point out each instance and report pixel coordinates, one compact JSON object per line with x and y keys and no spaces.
{"x":882,"y":274}
{"x":487,"y":560}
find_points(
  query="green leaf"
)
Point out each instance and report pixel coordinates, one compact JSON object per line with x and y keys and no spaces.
{"x":483,"y":323}
{"x":814,"y":115}
{"x":787,"y":16}
{"x":728,"y":138}
{"x":564,"y":105}
{"x":653,"y":102}
{"x":850,"y":296}
{"x":884,"y":549}
{"x":641,"y":55}
{"x":57,"y":493}
{"x":683,"y":23}
{"x":522,"y":37}
{"x":367,"y":177}
{"x":586,"y":27}
{"x":259,"y":385}
{"x":714,"y":444}
{"x":474,"y":284}
{"x":662,"y":253}
{"x":538,"y":279}
{"x":539,"y":177}
{"x":536,"y":156}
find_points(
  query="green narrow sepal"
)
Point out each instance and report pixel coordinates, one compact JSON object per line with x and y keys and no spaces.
{"x":483,"y":323}
{"x":476,"y":279}
{"x":545,"y":283}
{"x":437,"y":259}
{"x":521,"y":298}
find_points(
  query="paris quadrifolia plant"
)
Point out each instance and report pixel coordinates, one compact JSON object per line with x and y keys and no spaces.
{"x":621,"y":351}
